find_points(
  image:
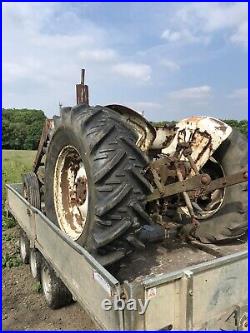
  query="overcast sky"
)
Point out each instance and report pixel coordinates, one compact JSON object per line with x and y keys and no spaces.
{"x":170,"y":60}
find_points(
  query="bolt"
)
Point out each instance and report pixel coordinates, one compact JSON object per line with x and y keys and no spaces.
{"x":190,"y":292}
{"x":205,"y":179}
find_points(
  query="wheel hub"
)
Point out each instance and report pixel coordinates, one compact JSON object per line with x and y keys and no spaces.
{"x":71,"y":192}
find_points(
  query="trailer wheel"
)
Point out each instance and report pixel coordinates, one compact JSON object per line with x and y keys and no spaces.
{"x":24,"y":244}
{"x":35,"y":264}
{"x":55,"y":292}
{"x":95,"y":187}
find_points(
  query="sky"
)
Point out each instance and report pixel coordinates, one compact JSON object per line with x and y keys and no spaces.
{"x":169,"y":60}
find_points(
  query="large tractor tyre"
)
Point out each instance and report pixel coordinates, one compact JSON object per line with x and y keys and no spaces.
{"x":230,"y":219}
{"x":94,"y":185}
{"x":31,"y":189}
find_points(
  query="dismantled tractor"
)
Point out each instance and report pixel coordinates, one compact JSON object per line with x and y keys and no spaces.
{"x":113,"y":182}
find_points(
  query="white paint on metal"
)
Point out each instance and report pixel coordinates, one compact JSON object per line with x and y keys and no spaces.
{"x":205,"y":135}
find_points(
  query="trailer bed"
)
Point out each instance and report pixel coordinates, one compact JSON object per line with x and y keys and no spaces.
{"x":188,"y":285}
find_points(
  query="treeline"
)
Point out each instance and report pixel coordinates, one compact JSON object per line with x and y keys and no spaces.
{"x":22,"y":128}
{"x":240,"y":125}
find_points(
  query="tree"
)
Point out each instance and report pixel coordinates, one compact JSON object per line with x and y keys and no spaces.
{"x":21,"y":128}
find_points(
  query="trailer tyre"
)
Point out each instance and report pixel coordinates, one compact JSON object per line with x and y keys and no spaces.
{"x":35,"y":264}
{"x":24,"y":245}
{"x":230,"y":221}
{"x":55,"y":292}
{"x":94,"y":186}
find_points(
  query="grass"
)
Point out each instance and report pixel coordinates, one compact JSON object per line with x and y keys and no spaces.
{"x":15,"y":163}
{"x":37,"y":287}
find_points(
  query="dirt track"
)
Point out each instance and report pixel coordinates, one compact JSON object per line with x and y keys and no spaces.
{"x":24,"y":308}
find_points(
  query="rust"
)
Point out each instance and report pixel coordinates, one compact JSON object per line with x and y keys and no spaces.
{"x":207,"y":146}
{"x":82,"y":91}
{"x":169,"y":139}
{"x":221,"y":126}
{"x":81,"y":190}
{"x":194,"y":183}
{"x":222,"y":182}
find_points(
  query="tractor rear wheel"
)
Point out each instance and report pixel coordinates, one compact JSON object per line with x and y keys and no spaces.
{"x":229,"y":218}
{"x":94,"y":184}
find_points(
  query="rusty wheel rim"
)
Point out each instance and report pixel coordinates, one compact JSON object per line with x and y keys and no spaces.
{"x":70,"y":192}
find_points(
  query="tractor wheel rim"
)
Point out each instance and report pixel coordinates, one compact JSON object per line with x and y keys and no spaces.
{"x":71,"y":192}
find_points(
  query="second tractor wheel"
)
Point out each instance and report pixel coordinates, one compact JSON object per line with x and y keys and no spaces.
{"x":94,"y":184}
{"x":230,"y":206}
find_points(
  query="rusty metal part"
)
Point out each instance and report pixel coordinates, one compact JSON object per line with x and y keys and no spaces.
{"x":186,"y":198}
{"x":193,"y":165}
{"x":44,"y":141}
{"x":157,"y":181}
{"x":82,"y":91}
{"x":237,"y":178}
{"x":70,"y":190}
{"x":179,"y":187}
{"x":187,"y":152}
{"x":146,"y":132}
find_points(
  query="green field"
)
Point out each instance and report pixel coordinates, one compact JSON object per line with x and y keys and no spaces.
{"x":15,"y":163}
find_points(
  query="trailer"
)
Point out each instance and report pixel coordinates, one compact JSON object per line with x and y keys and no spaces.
{"x":183,"y":285}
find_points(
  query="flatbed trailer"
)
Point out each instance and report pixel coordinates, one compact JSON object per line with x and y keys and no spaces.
{"x":188,"y":286}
